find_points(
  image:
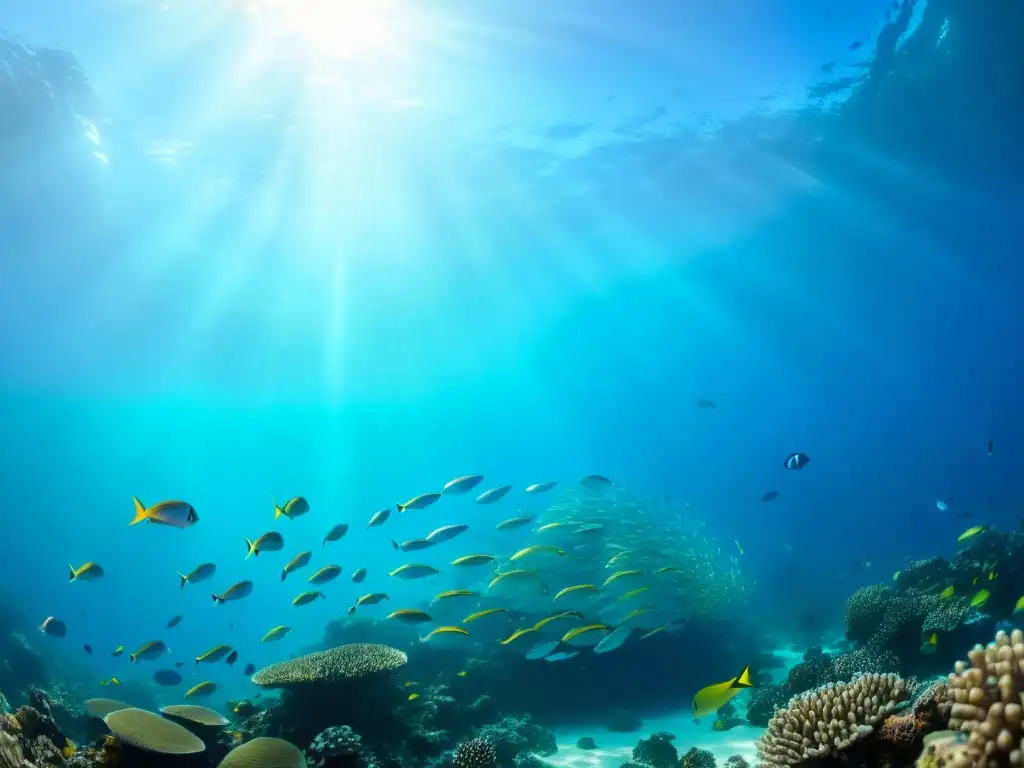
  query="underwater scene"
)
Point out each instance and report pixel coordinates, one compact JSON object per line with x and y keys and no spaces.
{"x":492,"y":384}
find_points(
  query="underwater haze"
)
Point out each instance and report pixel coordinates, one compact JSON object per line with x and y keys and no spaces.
{"x":741,"y":277}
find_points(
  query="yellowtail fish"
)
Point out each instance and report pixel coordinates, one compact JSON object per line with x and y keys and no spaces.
{"x":738,"y":546}
{"x":271,"y":541}
{"x":444,"y":631}
{"x":89,"y":572}
{"x":635,"y":613}
{"x":461,"y":485}
{"x":461,"y":673}
{"x":469,"y":561}
{"x":980,"y":599}
{"x":1019,"y":605}
{"x":517,"y":634}
{"x":174,"y":621}
{"x":111,"y":681}
{"x":549,"y":527}
{"x":232,"y":657}
{"x":492,"y":611}
{"x":633,"y":593}
{"x":493,"y":495}
{"x":620,"y":575}
{"x":215,"y":654}
{"x":117,"y":651}
{"x":712,"y":697}
{"x":379,"y":518}
{"x":335,"y":534}
{"x":197,"y":574}
{"x":300,"y":560}
{"x":294,"y":507}
{"x":446,"y":533}
{"x":414,"y":571}
{"x":970,"y":533}
{"x":933,"y":639}
{"x":974,"y":581}
{"x":589,"y":629}
{"x":325,"y":574}
{"x":370,"y":599}
{"x":409,"y":616}
{"x":896,"y":576}
{"x":992,"y":575}
{"x":413,"y":545}
{"x":537,"y":549}
{"x":179,"y":514}
{"x":358,"y":575}
{"x":413,"y":696}
{"x":234,"y":592}
{"x":653,"y":632}
{"x":454,"y":593}
{"x":419,"y":502}
{"x":308,"y":597}
{"x":409,"y":684}
{"x":576,"y":588}
{"x":515,"y":522}
{"x":508,"y":576}
{"x":947,"y":592}
{"x":54,"y":627}
{"x":541,"y":487}
{"x":202,"y":689}
{"x":154,"y":649}
{"x":667,"y":569}
{"x":276,"y":634}
{"x":563,"y":615}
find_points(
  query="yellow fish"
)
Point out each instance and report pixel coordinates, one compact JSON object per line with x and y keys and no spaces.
{"x":117,"y":651}
{"x":413,"y":696}
{"x":204,"y":688}
{"x":517,"y":634}
{"x":419,"y":502}
{"x":992,"y":575}
{"x":980,"y":599}
{"x":549,"y":527}
{"x":620,"y":575}
{"x":461,"y":674}
{"x":563,"y":615}
{"x":89,"y":572}
{"x":483,"y":613}
{"x":216,"y":653}
{"x":896,"y":576}
{"x":577,"y":588}
{"x":1020,"y":605}
{"x":111,"y":681}
{"x":471,"y":560}
{"x":573,"y":634}
{"x":970,"y":533}
{"x":510,"y":575}
{"x":276,"y":634}
{"x":668,"y":569}
{"x":933,"y":640}
{"x":445,"y":631}
{"x":947,"y":592}
{"x":300,"y":560}
{"x":369,"y":599}
{"x":179,"y":514}
{"x":537,"y":549}
{"x":653,"y":632}
{"x":712,"y":697}
{"x":974,"y":581}
{"x":294,"y":507}
{"x":409,"y":684}
{"x":454,"y":593}
{"x":308,"y":597}
{"x":410,"y":616}
{"x":633,"y":593}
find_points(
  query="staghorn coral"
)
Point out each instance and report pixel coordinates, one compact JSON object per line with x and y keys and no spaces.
{"x":864,"y":610}
{"x":657,"y":751}
{"x":697,"y":758}
{"x":346,"y":662}
{"x":828,"y":720}
{"x":475,"y":753}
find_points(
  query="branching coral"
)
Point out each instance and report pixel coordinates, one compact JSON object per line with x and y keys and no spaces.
{"x":828,"y":720}
{"x":864,"y":610}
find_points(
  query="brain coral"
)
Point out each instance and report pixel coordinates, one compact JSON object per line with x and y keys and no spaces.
{"x":829,"y":719}
{"x":265,"y":752}
{"x":152,"y":733}
{"x":346,"y":662}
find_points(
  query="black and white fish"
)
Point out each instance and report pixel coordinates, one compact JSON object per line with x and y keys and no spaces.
{"x":796,"y":461}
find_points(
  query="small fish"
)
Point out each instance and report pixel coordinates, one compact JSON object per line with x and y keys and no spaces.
{"x":896,"y":576}
{"x":974,"y":581}
{"x":446,"y":533}
{"x":633,"y":594}
{"x":541,"y":487}
{"x":337,"y":533}
{"x":596,"y":482}
{"x":276,"y":634}
{"x":154,"y":649}
{"x":117,"y":651}
{"x":980,"y":598}
{"x":249,"y":670}
{"x":111,"y":681}
{"x":87,"y":648}
{"x":451,"y":593}
{"x":550,"y":527}
{"x":469,"y":561}
{"x":215,"y":654}
{"x":414,"y":571}
{"x":419,"y":502}
{"x":947,"y":593}
{"x":491,"y":612}
{"x":370,"y":599}
{"x":245,"y":708}
{"x":589,"y":630}
{"x":537,"y":549}
{"x":325,"y":574}
{"x":234,"y":592}
{"x":542,"y":649}
{"x":856,"y":44}
{"x":89,"y":572}
{"x":232,"y":658}
{"x":770,"y":496}
{"x":444,"y":631}
{"x":562,"y":656}
{"x":409,"y":684}
{"x":199,"y":573}
{"x":712,"y":697}
{"x":272,"y":541}
{"x":513,"y":576}
{"x":515,"y":522}
{"x":970,"y":533}
{"x":575,"y":588}
{"x":796,"y":461}
{"x":493,"y":495}
{"x":621,"y":575}
{"x":179,"y":514}
{"x":706,"y":404}
{"x":413,"y":545}
{"x":379,"y":518}
{"x":166,"y":677}
{"x":517,"y":634}
{"x":461,"y":485}
{"x":413,"y":696}
{"x":461,"y":673}
{"x":942,"y":506}
{"x":358,"y":575}
{"x":174,"y":621}
{"x":668,"y":569}
{"x":991,"y":447}
{"x":563,"y":615}
{"x":299,"y":561}
{"x":294,"y":507}
{"x":992,"y":575}
{"x":54,"y":627}
{"x":179,"y":664}
{"x":409,"y":616}
{"x":933,"y":639}
{"x":653,"y":632}
{"x":613,"y":640}
{"x":308,"y":597}
{"x":738,"y":546}
{"x":202,"y":689}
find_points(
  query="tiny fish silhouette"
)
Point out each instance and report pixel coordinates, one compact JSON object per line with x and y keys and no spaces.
{"x":855,"y":45}
{"x":705,"y":403}
{"x":770,"y":496}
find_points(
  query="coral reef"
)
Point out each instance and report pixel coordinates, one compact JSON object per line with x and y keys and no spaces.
{"x":736,"y":761}
{"x":514,"y":735}
{"x":475,"y":753}
{"x":697,"y":758}
{"x":586,"y":742}
{"x":811,"y":673}
{"x":864,"y":610}
{"x":336,"y":665}
{"x":339,"y":747}
{"x":765,"y":701}
{"x":657,"y":751}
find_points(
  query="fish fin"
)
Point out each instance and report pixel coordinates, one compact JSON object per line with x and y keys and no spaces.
{"x":217,"y":599}
{"x":743,"y":680}
{"x":71,"y":576}
{"x":184,"y":578}
{"x":401,"y":507}
{"x":251,"y":546}
{"x":394,"y":544}
{"x":131,"y":658}
{"x":140,"y":511}
{"x":351,"y":610}
{"x":284,"y":573}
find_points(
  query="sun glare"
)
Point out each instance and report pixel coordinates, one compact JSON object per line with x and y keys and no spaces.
{"x":335,"y":28}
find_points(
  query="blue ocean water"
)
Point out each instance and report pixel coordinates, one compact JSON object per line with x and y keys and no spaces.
{"x":355,"y":256}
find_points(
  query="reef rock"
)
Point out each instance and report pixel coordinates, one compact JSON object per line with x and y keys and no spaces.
{"x":339,"y":747}
{"x":515,"y":735}
{"x":657,"y":751}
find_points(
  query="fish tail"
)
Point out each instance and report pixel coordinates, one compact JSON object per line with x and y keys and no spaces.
{"x":71,"y":576}
{"x":283,"y":574}
{"x":351,"y":610}
{"x":251,"y":546}
{"x":324,"y":544}
{"x":217,"y":600}
{"x":401,"y":507}
{"x":140,"y":511}
{"x":131,"y":659}
{"x":184,"y":579}
{"x":394,"y":544}
{"x":743,"y":679}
